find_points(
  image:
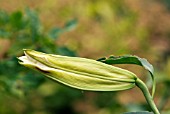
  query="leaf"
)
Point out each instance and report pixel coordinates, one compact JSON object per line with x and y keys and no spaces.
{"x":4,"y":33}
{"x":16,"y":20}
{"x":4,"y":18}
{"x":34,"y":23}
{"x":55,"y":32}
{"x":142,"y":112}
{"x":130,"y":59}
{"x":66,"y":51}
{"x":70,"y":25}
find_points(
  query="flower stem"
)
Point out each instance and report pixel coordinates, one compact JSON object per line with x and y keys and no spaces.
{"x":147,"y":95}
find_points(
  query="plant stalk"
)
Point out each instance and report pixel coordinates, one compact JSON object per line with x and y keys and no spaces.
{"x":147,"y":95}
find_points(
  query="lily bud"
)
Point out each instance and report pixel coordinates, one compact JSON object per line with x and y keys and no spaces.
{"x":80,"y":73}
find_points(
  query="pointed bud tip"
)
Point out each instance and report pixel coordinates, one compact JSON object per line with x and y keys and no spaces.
{"x":28,"y":50}
{"x":31,"y":52}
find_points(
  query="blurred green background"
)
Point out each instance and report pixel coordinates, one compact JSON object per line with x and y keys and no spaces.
{"x":85,"y":28}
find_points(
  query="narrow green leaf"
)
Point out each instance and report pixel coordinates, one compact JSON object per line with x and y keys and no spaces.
{"x":55,"y":32}
{"x":4,"y":33}
{"x":130,"y":59}
{"x":66,"y":51}
{"x":143,"y":112}
{"x":16,"y":20}
{"x":34,"y":23}
{"x":4,"y":17}
{"x":70,"y":25}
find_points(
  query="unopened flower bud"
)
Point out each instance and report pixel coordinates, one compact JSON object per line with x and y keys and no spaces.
{"x":80,"y":73}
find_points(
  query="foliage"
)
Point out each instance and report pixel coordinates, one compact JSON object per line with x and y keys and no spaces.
{"x":24,"y":30}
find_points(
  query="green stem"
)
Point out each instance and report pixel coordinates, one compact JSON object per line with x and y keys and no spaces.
{"x":147,"y":95}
